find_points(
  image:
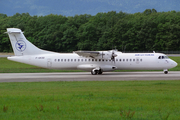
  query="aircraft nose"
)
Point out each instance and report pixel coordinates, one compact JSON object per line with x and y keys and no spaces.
{"x":174,"y":64}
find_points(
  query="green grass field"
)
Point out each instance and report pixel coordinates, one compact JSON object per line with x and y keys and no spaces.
{"x":7,"y":66}
{"x":113,"y":100}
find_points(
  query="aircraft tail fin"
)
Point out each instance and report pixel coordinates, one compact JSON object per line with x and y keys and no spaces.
{"x":21,"y":46}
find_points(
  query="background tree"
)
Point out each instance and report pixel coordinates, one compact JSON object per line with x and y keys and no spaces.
{"x":146,"y":31}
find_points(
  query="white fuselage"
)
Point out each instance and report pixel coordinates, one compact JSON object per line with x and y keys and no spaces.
{"x":123,"y":61}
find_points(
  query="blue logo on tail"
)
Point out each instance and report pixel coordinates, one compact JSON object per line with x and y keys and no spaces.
{"x":20,"y":45}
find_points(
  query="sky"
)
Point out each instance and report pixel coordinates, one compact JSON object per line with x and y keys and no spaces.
{"x":77,"y":7}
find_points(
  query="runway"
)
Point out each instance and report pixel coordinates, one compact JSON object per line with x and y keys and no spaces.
{"x":86,"y":76}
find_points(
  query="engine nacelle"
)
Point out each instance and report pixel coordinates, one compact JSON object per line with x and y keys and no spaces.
{"x":103,"y":68}
{"x":106,"y":68}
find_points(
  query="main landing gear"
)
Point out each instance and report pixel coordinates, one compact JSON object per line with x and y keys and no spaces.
{"x":95,"y":71}
{"x":165,"y":71}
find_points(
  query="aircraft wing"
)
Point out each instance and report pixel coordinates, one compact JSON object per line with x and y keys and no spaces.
{"x":91,"y":54}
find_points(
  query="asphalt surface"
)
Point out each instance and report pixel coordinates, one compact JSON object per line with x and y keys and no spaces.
{"x":86,"y":76}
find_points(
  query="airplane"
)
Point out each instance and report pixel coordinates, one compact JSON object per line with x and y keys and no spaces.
{"x":95,"y":62}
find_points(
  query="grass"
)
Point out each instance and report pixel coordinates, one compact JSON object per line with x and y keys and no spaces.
{"x":113,"y":100}
{"x":8,"y":66}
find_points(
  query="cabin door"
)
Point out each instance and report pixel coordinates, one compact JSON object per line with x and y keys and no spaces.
{"x":49,"y":63}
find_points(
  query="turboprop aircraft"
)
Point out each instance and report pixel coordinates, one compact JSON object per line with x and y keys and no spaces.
{"x":95,"y":62}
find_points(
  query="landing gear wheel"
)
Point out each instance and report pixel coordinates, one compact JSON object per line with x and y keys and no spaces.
{"x":165,"y":72}
{"x":100,"y":72}
{"x":93,"y":72}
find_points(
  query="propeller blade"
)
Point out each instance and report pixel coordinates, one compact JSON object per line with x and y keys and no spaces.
{"x":113,"y":55}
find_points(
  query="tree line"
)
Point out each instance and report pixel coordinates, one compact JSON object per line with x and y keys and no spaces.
{"x":146,"y":31}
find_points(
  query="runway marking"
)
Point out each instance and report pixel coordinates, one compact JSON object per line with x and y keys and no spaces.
{"x":86,"y":76}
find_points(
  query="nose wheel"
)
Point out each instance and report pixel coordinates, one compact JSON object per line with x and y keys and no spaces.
{"x":165,"y":71}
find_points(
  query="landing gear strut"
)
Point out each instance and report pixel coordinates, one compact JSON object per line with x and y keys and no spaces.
{"x":165,"y":71}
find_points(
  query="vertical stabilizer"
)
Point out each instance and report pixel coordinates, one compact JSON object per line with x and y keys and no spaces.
{"x":21,"y":46}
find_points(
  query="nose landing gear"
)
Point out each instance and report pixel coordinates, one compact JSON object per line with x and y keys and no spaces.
{"x":165,"y":71}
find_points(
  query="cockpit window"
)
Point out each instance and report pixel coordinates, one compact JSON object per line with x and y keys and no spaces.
{"x":166,"y":57}
{"x":163,"y":57}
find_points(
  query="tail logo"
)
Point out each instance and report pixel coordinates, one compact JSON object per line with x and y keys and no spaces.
{"x":20,"y":45}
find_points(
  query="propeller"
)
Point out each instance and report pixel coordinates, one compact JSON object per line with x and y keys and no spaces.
{"x":113,"y":55}
{"x":102,"y":55}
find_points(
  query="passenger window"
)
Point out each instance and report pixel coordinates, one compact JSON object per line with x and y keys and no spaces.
{"x":99,"y":59}
{"x":119,"y":59}
{"x":65,"y":60}
{"x":61,"y":60}
{"x":126,"y":59}
{"x":123,"y":59}
{"x":140,"y":59}
{"x":75,"y":60}
{"x":81,"y":59}
{"x":130,"y":60}
{"x":78,"y":60}
{"x":133,"y":59}
{"x":102,"y":59}
{"x":58,"y":60}
{"x":162,"y":57}
{"x":55,"y":60}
